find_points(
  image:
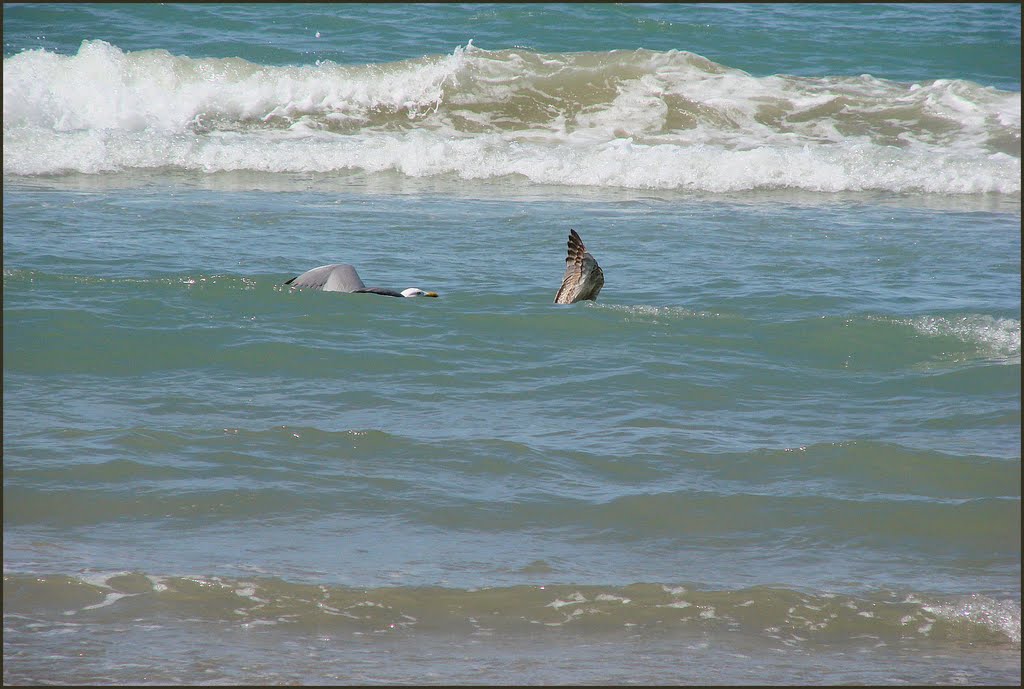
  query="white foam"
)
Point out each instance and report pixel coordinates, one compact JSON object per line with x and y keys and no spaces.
{"x":574,"y":599}
{"x":994,"y":336}
{"x":249,"y":591}
{"x":676,"y":604}
{"x":632,"y":119}
{"x":100,"y":579}
{"x":109,"y":599}
{"x":1001,"y":616}
{"x":157,"y":582}
{"x":105,"y":88}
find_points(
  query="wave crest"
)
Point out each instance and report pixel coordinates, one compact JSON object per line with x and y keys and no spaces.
{"x":633,"y":119}
{"x":785,"y":615}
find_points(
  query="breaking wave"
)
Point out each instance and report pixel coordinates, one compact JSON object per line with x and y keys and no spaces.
{"x":632,"y":119}
{"x":790,"y":617}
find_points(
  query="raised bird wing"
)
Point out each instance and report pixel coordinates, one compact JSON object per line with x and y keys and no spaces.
{"x":583,"y":277}
{"x":336,"y":277}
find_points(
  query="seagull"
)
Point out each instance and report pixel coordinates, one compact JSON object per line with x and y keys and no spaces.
{"x":341,"y":277}
{"x":583,"y":277}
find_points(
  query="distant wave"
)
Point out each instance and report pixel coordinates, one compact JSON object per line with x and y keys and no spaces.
{"x":634,"y":119}
{"x":982,"y":335}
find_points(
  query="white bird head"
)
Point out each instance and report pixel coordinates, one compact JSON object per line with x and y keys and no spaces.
{"x":417,"y":292}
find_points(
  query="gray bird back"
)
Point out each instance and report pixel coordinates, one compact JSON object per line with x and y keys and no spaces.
{"x":335,"y":277}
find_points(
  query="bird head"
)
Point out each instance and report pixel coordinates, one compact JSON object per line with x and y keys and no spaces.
{"x":417,"y":292}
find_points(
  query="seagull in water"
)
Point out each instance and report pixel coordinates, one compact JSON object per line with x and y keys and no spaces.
{"x":341,"y":277}
{"x":583,"y":277}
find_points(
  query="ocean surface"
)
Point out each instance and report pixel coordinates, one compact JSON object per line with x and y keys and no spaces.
{"x":782,"y":447}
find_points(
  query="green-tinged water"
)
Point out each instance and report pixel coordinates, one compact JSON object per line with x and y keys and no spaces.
{"x":770,"y":410}
{"x":430,"y":632}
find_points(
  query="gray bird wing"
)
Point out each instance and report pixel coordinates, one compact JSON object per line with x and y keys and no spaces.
{"x":583,"y":276}
{"x":335,"y":277}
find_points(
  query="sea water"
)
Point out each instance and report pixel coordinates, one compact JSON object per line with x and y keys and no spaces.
{"x":783,"y":445}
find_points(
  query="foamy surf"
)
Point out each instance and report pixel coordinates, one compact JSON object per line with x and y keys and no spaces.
{"x":779,"y":613}
{"x":995,"y":337}
{"x":629,"y":119}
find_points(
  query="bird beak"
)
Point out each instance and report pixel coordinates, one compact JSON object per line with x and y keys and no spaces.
{"x":430,"y":294}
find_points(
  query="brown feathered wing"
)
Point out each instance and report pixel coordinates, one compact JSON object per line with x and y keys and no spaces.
{"x":583,"y":276}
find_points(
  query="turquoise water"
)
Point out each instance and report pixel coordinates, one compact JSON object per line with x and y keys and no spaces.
{"x":783,"y":446}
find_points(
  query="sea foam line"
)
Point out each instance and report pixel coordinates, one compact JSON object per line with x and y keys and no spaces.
{"x":671,"y":120}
